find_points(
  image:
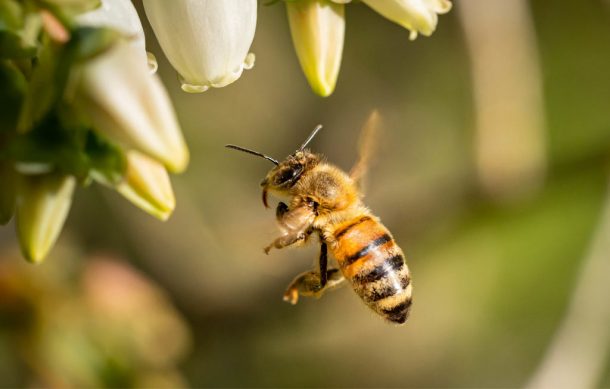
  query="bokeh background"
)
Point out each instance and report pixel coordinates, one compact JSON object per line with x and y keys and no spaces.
{"x":492,"y":175}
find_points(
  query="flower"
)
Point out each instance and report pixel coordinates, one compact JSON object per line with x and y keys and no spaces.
{"x":43,"y":202}
{"x":418,"y":16}
{"x":146,"y":184}
{"x":120,"y":15}
{"x":83,"y":106}
{"x":318,"y":29}
{"x":131,"y":106}
{"x":206,"y":41}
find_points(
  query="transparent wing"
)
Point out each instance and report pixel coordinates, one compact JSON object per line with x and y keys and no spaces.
{"x":367,"y":147}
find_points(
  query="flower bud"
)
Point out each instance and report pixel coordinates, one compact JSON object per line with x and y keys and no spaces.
{"x":318,"y":30}
{"x":131,"y":106}
{"x":43,"y":202}
{"x":418,"y":16}
{"x":146,"y":185}
{"x":120,"y":15}
{"x":206,"y":41}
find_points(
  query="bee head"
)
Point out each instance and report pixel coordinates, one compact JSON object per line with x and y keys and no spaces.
{"x":287,"y":173}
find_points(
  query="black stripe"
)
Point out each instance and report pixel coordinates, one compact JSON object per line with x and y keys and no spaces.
{"x":399,"y":318}
{"x":389,"y":290}
{"x":371,"y":246}
{"x":399,"y":309}
{"x":383,"y":293}
{"x":394,"y":263}
{"x":345,"y":229}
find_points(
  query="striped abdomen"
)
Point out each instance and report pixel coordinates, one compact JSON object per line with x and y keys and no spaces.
{"x":374,"y":264}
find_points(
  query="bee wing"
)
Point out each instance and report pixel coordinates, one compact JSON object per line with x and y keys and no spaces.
{"x":367,"y":146}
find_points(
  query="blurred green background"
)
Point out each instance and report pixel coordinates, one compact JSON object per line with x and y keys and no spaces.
{"x":494,"y":262}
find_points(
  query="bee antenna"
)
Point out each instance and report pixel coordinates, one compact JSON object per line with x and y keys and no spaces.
{"x":311,"y":136}
{"x":239,"y":148}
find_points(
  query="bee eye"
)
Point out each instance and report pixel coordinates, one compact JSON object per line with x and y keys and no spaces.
{"x":288,"y":175}
{"x":284,"y":176}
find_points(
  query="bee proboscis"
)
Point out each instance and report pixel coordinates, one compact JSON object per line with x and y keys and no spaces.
{"x":326,"y":201}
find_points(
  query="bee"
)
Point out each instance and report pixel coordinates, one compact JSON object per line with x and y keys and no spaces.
{"x":326,"y":201}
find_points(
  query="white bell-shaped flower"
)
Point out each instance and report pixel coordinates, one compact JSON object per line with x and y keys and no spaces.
{"x":131,"y":106}
{"x":206,"y":41}
{"x":120,"y":15}
{"x":418,"y":16}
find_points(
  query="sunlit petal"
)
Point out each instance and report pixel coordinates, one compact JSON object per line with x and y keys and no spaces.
{"x":131,"y":106}
{"x":147,"y":185}
{"x":318,"y":30}
{"x":43,"y":203}
{"x":206,"y":41}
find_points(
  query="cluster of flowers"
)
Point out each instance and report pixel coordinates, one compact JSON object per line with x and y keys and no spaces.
{"x":81,"y":102}
{"x":188,"y":31}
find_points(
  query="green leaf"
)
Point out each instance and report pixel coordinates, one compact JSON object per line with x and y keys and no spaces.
{"x":43,"y":88}
{"x":18,"y":31}
{"x":55,"y":65}
{"x":107,"y":161}
{"x":53,"y":146}
{"x":12,"y":93}
{"x":8,"y":178}
{"x":70,"y":7}
{"x":12,"y":46}
{"x":60,"y":145}
{"x":11,"y":15}
{"x":89,"y":42}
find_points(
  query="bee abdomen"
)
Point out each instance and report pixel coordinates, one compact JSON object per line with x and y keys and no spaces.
{"x":386,"y":288}
{"x":376,"y":267}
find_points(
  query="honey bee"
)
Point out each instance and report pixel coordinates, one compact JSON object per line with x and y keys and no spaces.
{"x":326,"y":201}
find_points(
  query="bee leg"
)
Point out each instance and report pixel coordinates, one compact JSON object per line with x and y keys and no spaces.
{"x":286,"y":240}
{"x":323,"y":262}
{"x":295,"y":223}
{"x":309,"y":284}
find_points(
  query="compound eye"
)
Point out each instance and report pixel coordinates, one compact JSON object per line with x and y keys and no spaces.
{"x":289,"y":175}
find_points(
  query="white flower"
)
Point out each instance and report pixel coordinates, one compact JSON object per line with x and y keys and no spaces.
{"x":418,"y":16}
{"x":146,"y":184}
{"x":43,"y":202}
{"x":120,"y":15}
{"x":206,"y":41}
{"x":131,"y":106}
{"x":318,"y":31}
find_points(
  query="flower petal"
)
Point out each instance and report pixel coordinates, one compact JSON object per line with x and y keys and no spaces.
{"x":131,"y":106}
{"x":418,"y":16}
{"x":206,"y":41}
{"x":318,"y":30}
{"x":43,"y":203}
{"x":120,"y":15}
{"x":147,"y":185}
